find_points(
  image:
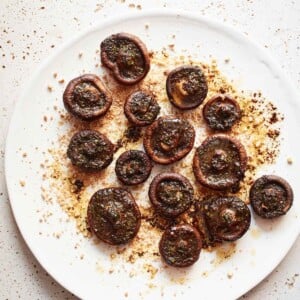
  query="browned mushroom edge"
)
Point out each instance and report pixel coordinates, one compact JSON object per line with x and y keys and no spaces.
{"x":218,"y":168}
{"x":126,"y":56}
{"x":171,"y":194}
{"x":221,"y":112}
{"x":169,"y":139}
{"x":226,"y":218}
{"x":90,"y":150}
{"x":133,"y":167}
{"x":113,"y":216}
{"x":186,"y":87}
{"x":180,"y":245}
{"x":141,"y":108}
{"x":271,"y":196}
{"x":86,"y":97}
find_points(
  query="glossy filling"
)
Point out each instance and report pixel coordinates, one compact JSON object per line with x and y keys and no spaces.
{"x":221,"y":114}
{"x":180,"y":246}
{"x":187,"y":87}
{"x":227,"y":218}
{"x":143,"y":107}
{"x":90,"y":150}
{"x":127,"y":56}
{"x":113,"y":216}
{"x":220,"y":163}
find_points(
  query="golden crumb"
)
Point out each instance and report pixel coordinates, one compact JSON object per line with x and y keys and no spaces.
{"x":98,"y":7}
{"x":289,"y":161}
{"x":204,"y":274}
{"x":229,"y":275}
{"x":61,"y":81}
{"x":22,"y":183}
{"x":49,"y":88}
{"x":54,"y":75}
{"x":152,"y":271}
{"x":224,"y":252}
{"x":255,"y":232}
{"x":55,"y":234}
{"x":171,"y":47}
{"x":131,"y":274}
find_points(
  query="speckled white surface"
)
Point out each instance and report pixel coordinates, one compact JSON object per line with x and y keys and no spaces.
{"x":29,"y":30}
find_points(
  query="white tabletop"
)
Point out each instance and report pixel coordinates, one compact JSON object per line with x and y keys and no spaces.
{"x":31,"y":30}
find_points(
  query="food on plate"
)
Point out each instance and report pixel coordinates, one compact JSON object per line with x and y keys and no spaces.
{"x":226,"y":218}
{"x":171,"y":194}
{"x":192,"y":217}
{"x":186,"y":87}
{"x":113,"y":216}
{"x":86,"y":97}
{"x":220,"y":162}
{"x":169,"y":139}
{"x":133,"y":167}
{"x":141,"y":108}
{"x":126,"y":56}
{"x":90,"y":150}
{"x":180,"y":245}
{"x":271,"y":196}
{"x":221,"y":112}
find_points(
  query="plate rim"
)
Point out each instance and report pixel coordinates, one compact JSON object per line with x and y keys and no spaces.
{"x":165,"y":12}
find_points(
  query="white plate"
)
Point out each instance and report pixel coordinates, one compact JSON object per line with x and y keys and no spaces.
{"x":256,"y":254}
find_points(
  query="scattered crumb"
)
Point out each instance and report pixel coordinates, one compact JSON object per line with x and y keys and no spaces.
{"x":255,"y":232}
{"x":98,"y":7}
{"x":54,"y":75}
{"x":22,"y":183}
{"x":80,"y":54}
{"x":171,"y":47}
{"x":57,"y":235}
{"x":291,"y":281}
{"x":131,"y":274}
{"x":289,"y":161}
{"x":204,"y":274}
{"x":229,"y":275}
{"x":61,"y":81}
{"x":151,"y":270}
{"x":50,"y":88}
